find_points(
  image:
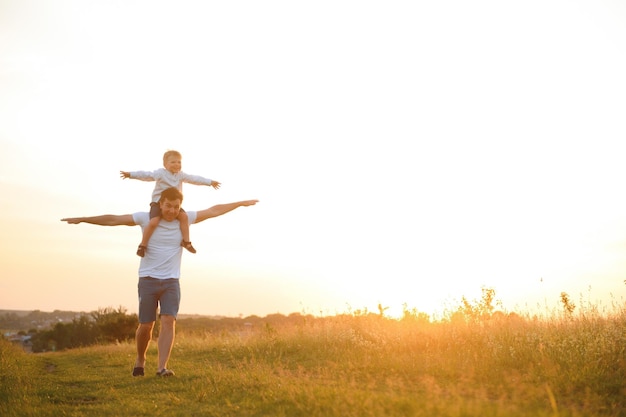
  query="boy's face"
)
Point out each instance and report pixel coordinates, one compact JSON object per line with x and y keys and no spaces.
{"x":173,"y":164}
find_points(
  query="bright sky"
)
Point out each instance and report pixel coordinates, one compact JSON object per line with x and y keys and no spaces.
{"x":403,"y":152}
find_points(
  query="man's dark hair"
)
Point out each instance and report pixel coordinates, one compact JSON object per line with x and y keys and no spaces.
{"x":171,"y":193}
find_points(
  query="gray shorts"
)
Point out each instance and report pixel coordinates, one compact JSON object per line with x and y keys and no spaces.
{"x":155,"y":293}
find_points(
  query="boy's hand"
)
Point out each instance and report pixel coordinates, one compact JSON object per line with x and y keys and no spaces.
{"x":215,"y":184}
{"x":124,"y":174}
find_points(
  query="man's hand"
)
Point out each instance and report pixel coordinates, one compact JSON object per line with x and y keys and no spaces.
{"x":103,"y":220}
{"x":72,"y":220}
{"x":220,"y":209}
{"x":215,"y":184}
{"x":124,"y":174}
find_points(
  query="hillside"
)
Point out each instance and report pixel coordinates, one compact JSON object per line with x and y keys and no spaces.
{"x":359,"y":365}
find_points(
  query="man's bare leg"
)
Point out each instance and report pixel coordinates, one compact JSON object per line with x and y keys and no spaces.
{"x":166,"y":340}
{"x":143,"y":335}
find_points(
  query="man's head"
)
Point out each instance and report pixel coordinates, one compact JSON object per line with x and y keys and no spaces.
{"x":170,"y":202}
{"x":172,"y":161}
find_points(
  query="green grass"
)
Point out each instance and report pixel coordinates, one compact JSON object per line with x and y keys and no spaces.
{"x":363,"y":365}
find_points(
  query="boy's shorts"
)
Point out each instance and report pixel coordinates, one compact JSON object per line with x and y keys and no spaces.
{"x":155,"y":292}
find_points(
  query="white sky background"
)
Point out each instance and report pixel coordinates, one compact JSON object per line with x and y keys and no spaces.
{"x":403,"y":152}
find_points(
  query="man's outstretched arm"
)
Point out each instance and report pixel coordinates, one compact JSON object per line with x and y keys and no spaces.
{"x":104,"y":220}
{"x":220,"y":209}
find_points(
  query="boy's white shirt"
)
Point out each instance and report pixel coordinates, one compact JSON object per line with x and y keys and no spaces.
{"x":165,"y":179}
{"x":164,"y":253}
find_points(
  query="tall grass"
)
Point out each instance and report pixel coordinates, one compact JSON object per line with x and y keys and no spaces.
{"x":473,"y":362}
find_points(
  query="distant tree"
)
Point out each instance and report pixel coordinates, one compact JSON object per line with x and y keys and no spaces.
{"x":102,"y":326}
{"x":9,"y":321}
{"x":114,"y":324}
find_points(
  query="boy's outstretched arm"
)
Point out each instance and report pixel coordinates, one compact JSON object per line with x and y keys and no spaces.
{"x":104,"y":220}
{"x":220,"y":209}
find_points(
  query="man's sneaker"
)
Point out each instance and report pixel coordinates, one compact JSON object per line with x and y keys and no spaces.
{"x":165,"y":372}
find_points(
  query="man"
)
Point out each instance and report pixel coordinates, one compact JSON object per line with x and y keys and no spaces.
{"x":159,"y":270}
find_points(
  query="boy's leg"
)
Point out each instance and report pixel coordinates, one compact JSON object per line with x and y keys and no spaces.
{"x":184,"y":229}
{"x":147,"y":233}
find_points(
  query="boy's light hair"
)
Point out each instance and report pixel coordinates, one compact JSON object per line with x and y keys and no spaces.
{"x":169,"y":153}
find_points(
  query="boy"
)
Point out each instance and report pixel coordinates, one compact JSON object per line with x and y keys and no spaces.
{"x":171,"y":175}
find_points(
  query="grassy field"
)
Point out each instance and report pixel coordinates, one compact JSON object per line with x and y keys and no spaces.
{"x":470,"y":364}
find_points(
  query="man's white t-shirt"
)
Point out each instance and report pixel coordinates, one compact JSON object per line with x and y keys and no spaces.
{"x":164,"y":253}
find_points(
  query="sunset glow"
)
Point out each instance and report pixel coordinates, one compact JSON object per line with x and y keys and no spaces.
{"x":403,"y":153}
